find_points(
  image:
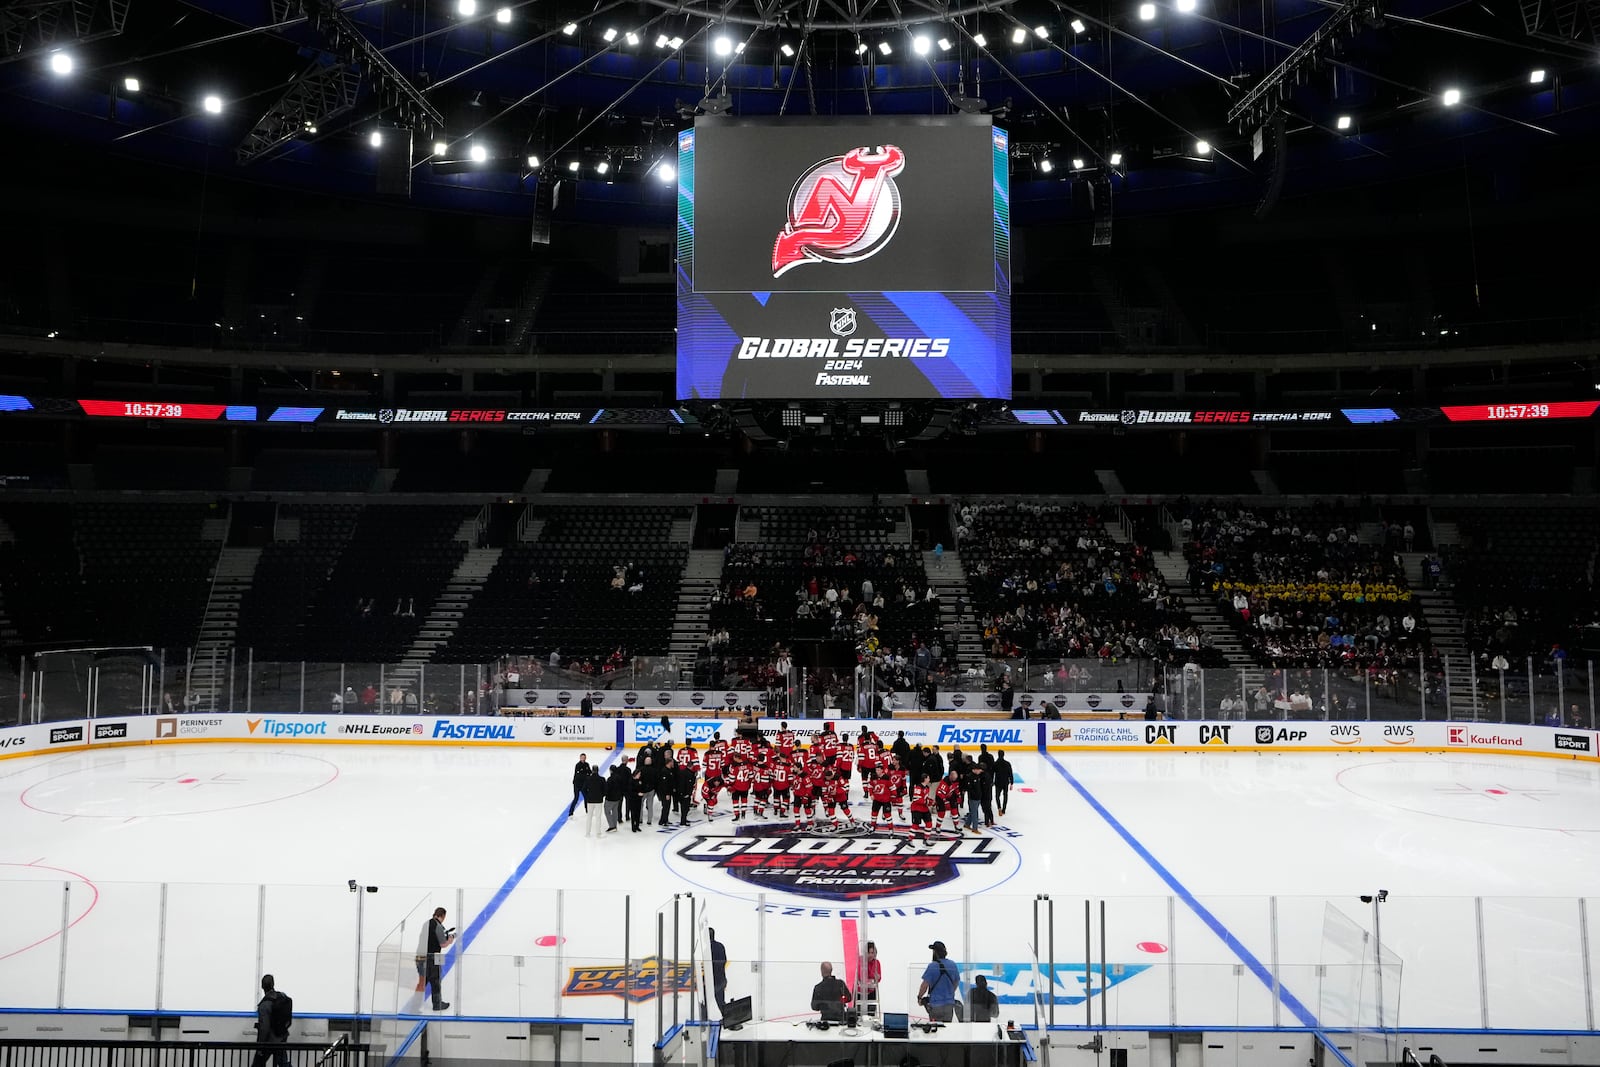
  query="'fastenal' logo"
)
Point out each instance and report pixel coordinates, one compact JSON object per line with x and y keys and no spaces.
{"x":776,"y":858}
{"x":843,"y":210}
{"x":631,"y":983}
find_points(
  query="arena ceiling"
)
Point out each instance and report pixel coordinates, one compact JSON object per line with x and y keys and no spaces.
{"x":1148,"y":96}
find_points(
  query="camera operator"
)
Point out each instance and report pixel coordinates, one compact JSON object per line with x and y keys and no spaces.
{"x":435,"y":939}
{"x":941,"y":982}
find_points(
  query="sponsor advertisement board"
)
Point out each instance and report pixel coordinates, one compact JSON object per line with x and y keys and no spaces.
{"x":1322,"y":737}
{"x":1001,"y":733}
{"x":844,"y":258}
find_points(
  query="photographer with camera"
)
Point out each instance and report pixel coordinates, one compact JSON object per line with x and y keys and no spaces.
{"x":436,"y":937}
{"x":941,"y":984}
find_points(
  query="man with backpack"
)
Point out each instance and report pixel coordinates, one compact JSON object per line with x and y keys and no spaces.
{"x":273,"y":1015}
{"x":941,"y":987}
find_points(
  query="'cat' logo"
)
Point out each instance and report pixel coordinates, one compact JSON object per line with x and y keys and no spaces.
{"x":843,"y":210}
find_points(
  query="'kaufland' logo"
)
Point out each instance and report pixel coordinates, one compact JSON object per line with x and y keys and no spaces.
{"x":774,"y":858}
{"x":843,"y":210}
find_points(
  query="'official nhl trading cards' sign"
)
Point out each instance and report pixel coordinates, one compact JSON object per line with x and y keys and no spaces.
{"x":844,"y":259}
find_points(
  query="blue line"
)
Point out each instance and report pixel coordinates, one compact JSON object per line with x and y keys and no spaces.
{"x":416,"y":1032}
{"x":479,"y":921}
{"x":1299,"y":1010}
{"x":1338,"y":1053}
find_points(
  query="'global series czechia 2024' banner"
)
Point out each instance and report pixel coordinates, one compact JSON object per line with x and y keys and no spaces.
{"x":844,"y":259}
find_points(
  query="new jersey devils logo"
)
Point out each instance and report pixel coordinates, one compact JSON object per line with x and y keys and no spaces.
{"x":842,"y":210}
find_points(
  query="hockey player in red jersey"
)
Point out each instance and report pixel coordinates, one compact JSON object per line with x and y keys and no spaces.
{"x":805,"y":803}
{"x":921,"y":805}
{"x":901,"y":779}
{"x":868,"y":753}
{"x":760,"y":787}
{"x":784,"y":741}
{"x":743,"y":749}
{"x":782,"y":775}
{"x":881,"y":789}
{"x":947,"y":797}
{"x":841,"y":800}
{"x":844,"y":760}
{"x":740,"y":779}
{"x":711,"y":787}
{"x":826,"y":745}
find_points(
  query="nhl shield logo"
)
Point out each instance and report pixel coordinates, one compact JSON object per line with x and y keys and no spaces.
{"x":842,"y":321}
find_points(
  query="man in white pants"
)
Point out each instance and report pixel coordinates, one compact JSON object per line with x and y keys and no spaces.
{"x":594,"y":802}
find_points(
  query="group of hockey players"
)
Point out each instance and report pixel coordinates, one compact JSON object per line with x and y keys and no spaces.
{"x":778,"y":778}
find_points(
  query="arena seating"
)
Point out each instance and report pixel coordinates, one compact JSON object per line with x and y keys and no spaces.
{"x":40,"y":577}
{"x":1049,"y":581}
{"x":556,"y":593}
{"x":275,"y":614}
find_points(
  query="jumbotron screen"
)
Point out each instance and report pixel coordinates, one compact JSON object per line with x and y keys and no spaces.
{"x":844,"y":259}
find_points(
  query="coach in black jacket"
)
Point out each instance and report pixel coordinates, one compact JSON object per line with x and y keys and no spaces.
{"x":580,"y":774}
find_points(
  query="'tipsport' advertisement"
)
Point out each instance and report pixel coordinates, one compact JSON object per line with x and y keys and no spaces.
{"x":844,"y":259}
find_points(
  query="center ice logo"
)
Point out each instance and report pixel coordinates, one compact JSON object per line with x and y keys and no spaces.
{"x":776,"y":858}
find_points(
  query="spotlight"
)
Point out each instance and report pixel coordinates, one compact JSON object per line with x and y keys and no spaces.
{"x":1342,"y":122}
{"x":60,"y":63}
{"x":1536,"y":77}
{"x":1186,"y":6}
{"x":466,"y":8}
{"x":503,"y":16}
{"x":738,"y":49}
{"x":883,"y":46}
{"x":1116,"y":159}
{"x":1045,"y":166}
{"x":1019,"y":35}
{"x":610,"y":34}
{"x":675,"y":44}
{"x":1202,"y":148}
{"x":602,"y":167}
{"x":944,"y":44}
{"x":722,"y":46}
{"x":212,"y":104}
{"x":1147,"y":12}
{"x":632,"y":39}
{"x":375,"y":139}
{"x":440,"y":148}
{"x":980,"y":40}
{"x":1078,"y":26}
{"x":860,"y":48}
{"x":533,"y":162}
{"x":1452,"y":97}
{"x":666,"y":172}
{"x":921,"y":45}
{"x":1077,"y":162}
{"x":479,"y":153}
{"x":574,"y":166}
{"x":787,"y":49}
{"x":570,"y":28}
{"x":661,"y":40}
{"x":1041,"y":32}
{"x":130,"y":85}
{"x":311,"y":129}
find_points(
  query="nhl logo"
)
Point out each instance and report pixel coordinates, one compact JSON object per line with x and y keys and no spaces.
{"x":386,"y":416}
{"x":842,"y":321}
{"x":1128,"y":418}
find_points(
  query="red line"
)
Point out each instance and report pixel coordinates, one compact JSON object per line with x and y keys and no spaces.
{"x":51,"y":937}
{"x":852,"y":953}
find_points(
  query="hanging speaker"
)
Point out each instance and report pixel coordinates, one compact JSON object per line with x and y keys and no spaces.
{"x":394,"y":164}
{"x":544,"y":206}
{"x":1276,"y":147}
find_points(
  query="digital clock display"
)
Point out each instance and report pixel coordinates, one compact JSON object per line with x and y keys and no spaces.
{"x":146,"y":409}
{"x":1563,"y":409}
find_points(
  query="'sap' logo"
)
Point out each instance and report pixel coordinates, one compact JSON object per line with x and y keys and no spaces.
{"x":843,"y":210}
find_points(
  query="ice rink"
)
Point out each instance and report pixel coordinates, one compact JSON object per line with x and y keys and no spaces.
{"x":173,"y":875}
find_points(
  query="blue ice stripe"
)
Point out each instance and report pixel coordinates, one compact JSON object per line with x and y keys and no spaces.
{"x":479,"y":921}
{"x":405,"y":1046}
{"x":1256,"y":967}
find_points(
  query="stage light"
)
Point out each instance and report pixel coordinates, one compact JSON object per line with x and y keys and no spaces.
{"x":1077,"y":162}
{"x":980,"y":40}
{"x":1452,"y":97}
{"x":632,"y":39}
{"x":944,"y":44}
{"x":503,"y":16}
{"x":311,"y":129}
{"x":1116,"y":159}
{"x":1045,"y":166}
{"x":738,"y":49}
{"x":60,"y":63}
{"x":574,"y":166}
{"x":602,"y":167}
{"x":212,"y":104}
{"x":610,"y":34}
{"x":466,"y":8}
{"x":666,"y":172}
{"x":375,"y":139}
{"x":1202,"y":148}
{"x":661,"y":40}
{"x":1536,"y":77}
{"x":1342,"y":122}
{"x":533,"y":162}
{"x":1147,"y":12}
{"x":884,"y":47}
{"x":860,"y":48}
{"x":921,"y":45}
{"x":787,"y":49}
{"x":722,"y":46}
{"x":675,"y":44}
{"x":1042,"y":32}
{"x":1078,"y":26}
{"x":570,"y":28}
{"x":130,"y":85}
{"x":479,"y":153}
{"x":1019,"y":35}
{"x":1186,"y":7}
{"x":440,"y":148}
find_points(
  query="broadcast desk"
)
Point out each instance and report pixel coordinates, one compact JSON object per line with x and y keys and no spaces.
{"x":790,"y":1042}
